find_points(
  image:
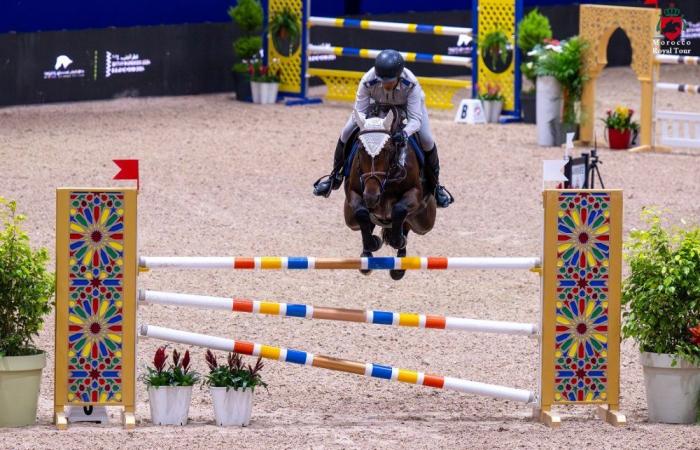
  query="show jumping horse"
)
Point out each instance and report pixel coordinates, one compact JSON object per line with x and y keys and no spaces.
{"x":384,"y":188}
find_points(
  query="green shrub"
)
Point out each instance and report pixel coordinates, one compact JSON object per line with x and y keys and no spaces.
{"x":26,"y":286}
{"x":248,"y":16}
{"x":533,"y":30}
{"x":662,"y":292}
{"x":247,"y":47}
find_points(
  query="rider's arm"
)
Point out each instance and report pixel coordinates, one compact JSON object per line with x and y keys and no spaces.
{"x":414,"y":110}
{"x":363,"y":95}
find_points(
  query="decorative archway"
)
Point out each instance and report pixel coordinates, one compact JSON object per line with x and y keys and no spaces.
{"x":597,"y":24}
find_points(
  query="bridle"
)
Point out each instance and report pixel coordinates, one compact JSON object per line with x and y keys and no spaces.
{"x":382,"y":178}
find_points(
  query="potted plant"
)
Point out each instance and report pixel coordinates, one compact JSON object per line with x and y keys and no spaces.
{"x":533,"y":30}
{"x":662,"y":298}
{"x":232,"y":387}
{"x":492,"y":99}
{"x":26,"y":288}
{"x":170,"y":389}
{"x":285,"y":30}
{"x":496,"y":51}
{"x":565,"y":64}
{"x":619,"y":128}
{"x":264,"y":83}
{"x":248,"y":16}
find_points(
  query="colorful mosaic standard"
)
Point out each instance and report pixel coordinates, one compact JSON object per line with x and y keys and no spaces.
{"x":309,"y":359}
{"x":95,"y":297}
{"x":582,"y":297}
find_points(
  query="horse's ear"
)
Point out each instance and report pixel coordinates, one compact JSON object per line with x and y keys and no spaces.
{"x":389,"y":120}
{"x":359,"y":119}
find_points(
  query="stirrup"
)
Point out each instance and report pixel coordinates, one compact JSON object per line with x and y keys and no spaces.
{"x":449,"y":194}
{"x":330,"y":187}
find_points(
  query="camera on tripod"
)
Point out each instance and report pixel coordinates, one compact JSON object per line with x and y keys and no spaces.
{"x":581,"y":172}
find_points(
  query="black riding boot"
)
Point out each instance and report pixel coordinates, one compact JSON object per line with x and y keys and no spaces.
{"x":324,"y":185}
{"x":443,"y":198}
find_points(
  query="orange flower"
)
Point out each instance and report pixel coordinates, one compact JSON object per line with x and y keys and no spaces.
{"x":695,"y":334}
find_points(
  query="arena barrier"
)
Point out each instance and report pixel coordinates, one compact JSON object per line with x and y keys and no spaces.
{"x":596,"y":25}
{"x":487,"y":16}
{"x":97,"y":301}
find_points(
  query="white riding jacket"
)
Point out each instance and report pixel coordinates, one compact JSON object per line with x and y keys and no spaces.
{"x":407,"y":93}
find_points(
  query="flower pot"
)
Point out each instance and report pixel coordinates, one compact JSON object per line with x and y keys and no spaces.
{"x":548,"y":113}
{"x":268,"y":93}
{"x":242,"y":80}
{"x":672,"y":392}
{"x":256,"y":91}
{"x":232,"y":407}
{"x":20,"y":379}
{"x":492,"y":110}
{"x":169,"y":404}
{"x":563,"y":129}
{"x":528,"y":106}
{"x":618,"y":139}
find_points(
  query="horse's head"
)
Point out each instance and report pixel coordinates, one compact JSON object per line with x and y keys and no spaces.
{"x":377,"y":154}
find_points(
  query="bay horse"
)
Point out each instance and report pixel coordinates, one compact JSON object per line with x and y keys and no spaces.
{"x":384,"y":188}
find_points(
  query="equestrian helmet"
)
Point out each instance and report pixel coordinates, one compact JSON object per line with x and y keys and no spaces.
{"x":388,"y":66}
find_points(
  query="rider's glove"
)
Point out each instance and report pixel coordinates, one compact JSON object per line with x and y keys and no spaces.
{"x":400,"y":138}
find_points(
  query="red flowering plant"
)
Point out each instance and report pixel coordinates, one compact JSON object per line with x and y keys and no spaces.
{"x":662,"y":291}
{"x":492,"y":93}
{"x":262,"y":73}
{"x":178,"y":373}
{"x":620,"y":119}
{"x":235,"y":374}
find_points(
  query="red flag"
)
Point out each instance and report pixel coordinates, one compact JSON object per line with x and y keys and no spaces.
{"x":652,"y":2}
{"x":129,"y":170}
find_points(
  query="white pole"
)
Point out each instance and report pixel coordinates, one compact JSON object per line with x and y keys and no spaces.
{"x":489,"y":390}
{"x":389,"y":26}
{"x":671,"y":59}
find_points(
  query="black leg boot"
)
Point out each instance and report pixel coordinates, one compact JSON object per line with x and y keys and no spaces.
{"x":443,"y":198}
{"x":324,"y":185}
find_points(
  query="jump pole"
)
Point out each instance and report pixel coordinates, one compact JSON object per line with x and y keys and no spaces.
{"x":375,"y":317}
{"x":579,"y":331}
{"x":289,"y":355}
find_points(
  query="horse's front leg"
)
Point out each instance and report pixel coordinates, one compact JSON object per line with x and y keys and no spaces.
{"x":370,"y":242}
{"x":407,"y":205}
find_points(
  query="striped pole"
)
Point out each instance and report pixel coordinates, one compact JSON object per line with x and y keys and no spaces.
{"x":687,"y":88}
{"x":388,"y":26}
{"x":408,"y":56}
{"x":363,"y":263}
{"x":340,"y":314}
{"x":340,"y":365}
{"x":672,"y":59}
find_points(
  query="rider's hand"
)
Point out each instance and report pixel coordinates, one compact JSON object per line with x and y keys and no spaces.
{"x":400,"y":138}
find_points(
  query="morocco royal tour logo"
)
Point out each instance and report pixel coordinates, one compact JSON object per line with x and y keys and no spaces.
{"x":671,"y":23}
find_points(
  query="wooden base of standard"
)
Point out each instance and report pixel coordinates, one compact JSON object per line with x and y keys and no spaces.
{"x":611,"y":416}
{"x":60,"y":420}
{"x":649,"y":148}
{"x":547,"y":417}
{"x":128,"y":420}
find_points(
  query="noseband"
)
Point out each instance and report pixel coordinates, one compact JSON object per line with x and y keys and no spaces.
{"x":381,"y":177}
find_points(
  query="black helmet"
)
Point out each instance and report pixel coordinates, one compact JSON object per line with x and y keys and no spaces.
{"x":388,"y":65}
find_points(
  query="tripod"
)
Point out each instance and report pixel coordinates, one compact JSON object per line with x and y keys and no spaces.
{"x":593,"y":169}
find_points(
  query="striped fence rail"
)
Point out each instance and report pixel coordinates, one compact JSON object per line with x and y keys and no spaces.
{"x":408,"y":56}
{"x":376,"y":317}
{"x":363,"y":263}
{"x":338,"y":22}
{"x":686,"y":88}
{"x":672,"y":59}
{"x":341,"y":365}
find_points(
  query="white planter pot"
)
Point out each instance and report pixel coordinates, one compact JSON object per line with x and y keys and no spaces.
{"x":492,"y":110}
{"x":672,"y":392}
{"x":232,"y":407}
{"x":268,"y":93}
{"x":170,"y":404}
{"x":548,"y":111}
{"x":255,"y":90}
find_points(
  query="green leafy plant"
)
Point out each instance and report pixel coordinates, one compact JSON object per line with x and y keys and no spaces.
{"x":492,"y":93}
{"x":565,"y":63}
{"x":285,"y":24}
{"x":662,"y":291}
{"x":620,"y":119}
{"x":248,"y":16}
{"x":533,"y":30}
{"x":26,"y":287}
{"x":495,"y":46}
{"x":178,"y":373}
{"x":235,"y":374}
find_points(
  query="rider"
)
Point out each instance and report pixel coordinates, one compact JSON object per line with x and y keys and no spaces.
{"x":389,"y":82}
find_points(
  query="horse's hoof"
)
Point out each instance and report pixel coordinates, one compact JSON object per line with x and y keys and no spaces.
{"x":399,"y":244}
{"x":397,"y":274}
{"x":365,"y":272}
{"x":366,"y":255}
{"x":377,"y":243}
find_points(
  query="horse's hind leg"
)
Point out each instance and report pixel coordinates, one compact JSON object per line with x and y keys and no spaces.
{"x":398,"y":274}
